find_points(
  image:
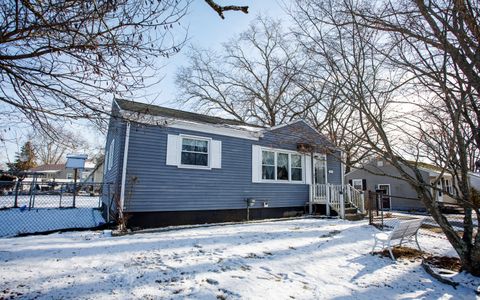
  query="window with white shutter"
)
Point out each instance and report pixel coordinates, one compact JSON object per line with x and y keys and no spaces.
{"x":194,"y":152}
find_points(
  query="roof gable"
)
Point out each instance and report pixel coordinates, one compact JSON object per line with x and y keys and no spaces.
{"x":299,"y":131}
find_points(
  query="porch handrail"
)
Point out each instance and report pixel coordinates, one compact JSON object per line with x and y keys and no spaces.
{"x":335,"y":196}
{"x":355,"y":197}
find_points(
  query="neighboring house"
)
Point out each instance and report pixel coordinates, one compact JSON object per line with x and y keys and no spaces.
{"x":49,"y":173}
{"x":474,"y":178}
{"x":169,"y":166}
{"x":379,"y":175}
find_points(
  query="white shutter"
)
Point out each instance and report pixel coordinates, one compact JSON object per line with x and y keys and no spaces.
{"x":308,"y":169}
{"x":173,"y":150}
{"x":216,"y":154}
{"x":256,"y":163}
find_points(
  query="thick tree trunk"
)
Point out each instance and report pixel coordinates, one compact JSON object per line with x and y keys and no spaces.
{"x":471,"y":260}
{"x":467,"y":248}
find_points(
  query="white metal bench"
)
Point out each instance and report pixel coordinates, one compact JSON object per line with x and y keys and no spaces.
{"x":403,"y":231}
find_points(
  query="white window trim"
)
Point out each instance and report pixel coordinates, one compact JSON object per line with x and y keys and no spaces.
{"x":289,"y":152}
{"x":389,"y":191}
{"x":111,"y":151}
{"x":209,"y":152}
{"x":357,"y":180}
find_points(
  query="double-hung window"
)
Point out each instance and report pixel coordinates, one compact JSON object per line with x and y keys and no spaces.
{"x":194,"y":152}
{"x":357,"y":184}
{"x":268,"y":165}
{"x":296,"y":167}
{"x":281,"y":166}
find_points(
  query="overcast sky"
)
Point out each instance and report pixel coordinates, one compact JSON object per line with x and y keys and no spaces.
{"x":205,"y":29}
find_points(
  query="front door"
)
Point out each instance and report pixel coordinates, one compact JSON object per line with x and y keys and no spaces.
{"x":320,"y":167}
{"x":319,"y":178}
{"x":384,"y":189}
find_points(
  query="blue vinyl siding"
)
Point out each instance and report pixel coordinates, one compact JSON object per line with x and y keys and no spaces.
{"x":112,"y":177}
{"x":152,"y":185}
{"x":334,"y":167}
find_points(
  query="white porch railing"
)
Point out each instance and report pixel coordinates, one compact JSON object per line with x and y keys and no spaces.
{"x":335,"y":197}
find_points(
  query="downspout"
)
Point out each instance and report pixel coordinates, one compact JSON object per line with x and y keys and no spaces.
{"x":124,"y":171}
{"x":312,"y":185}
{"x":342,"y":166}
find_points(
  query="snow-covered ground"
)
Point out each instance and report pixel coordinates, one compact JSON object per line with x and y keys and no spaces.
{"x":294,"y":259}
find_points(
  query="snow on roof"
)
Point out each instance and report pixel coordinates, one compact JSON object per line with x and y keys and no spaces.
{"x":48,"y":168}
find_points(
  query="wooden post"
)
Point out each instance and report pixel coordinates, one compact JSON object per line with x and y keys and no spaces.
{"x":74,"y":186}
{"x":310,"y":203}
{"x":362,"y":202}
{"x":327,"y":196}
{"x":108,"y":202}
{"x":342,"y":205}
{"x":370,"y":208}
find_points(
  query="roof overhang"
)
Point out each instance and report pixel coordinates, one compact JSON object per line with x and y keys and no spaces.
{"x":238,"y":131}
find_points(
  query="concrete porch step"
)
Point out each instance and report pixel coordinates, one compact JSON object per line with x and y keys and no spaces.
{"x":350,"y":210}
{"x":354,"y":217}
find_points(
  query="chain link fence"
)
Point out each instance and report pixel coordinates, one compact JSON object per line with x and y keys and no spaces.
{"x":33,"y":207}
{"x":384,"y":219}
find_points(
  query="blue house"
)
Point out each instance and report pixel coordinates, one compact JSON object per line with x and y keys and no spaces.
{"x":169,"y":167}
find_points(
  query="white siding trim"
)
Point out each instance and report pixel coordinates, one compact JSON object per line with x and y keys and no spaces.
{"x":124,"y":169}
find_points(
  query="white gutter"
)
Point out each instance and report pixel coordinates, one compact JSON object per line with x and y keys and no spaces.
{"x":124,"y":171}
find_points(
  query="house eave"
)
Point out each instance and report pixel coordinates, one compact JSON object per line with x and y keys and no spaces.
{"x":219,"y":129}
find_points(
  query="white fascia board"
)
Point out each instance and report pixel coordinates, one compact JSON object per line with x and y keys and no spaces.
{"x":218,"y":129}
{"x":285,"y":124}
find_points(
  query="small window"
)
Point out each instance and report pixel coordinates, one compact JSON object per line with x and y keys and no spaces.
{"x":194,"y":152}
{"x":268,"y":165}
{"x":357,"y":184}
{"x":110,"y":154}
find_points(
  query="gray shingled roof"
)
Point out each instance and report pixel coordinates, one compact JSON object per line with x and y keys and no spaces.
{"x":155,"y":110}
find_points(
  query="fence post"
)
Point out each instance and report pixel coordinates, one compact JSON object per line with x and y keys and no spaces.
{"x":370,"y":208}
{"x":74,"y":186}
{"x":380,"y":200}
{"x":108,"y":202}
{"x":61,"y":194}
{"x":342,"y":205}
{"x":362,"y":202}
{"x":15,"y":202}
{"x":327,"y":195}
{"x":31,"y":203}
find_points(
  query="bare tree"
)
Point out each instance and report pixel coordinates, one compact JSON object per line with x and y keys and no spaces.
{"x":253,"y":79}
{"x":67,"y":59}
{"x":54,"y":149}
{"x":435,"y":116}
{"x":341,"y":69}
